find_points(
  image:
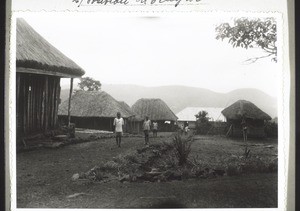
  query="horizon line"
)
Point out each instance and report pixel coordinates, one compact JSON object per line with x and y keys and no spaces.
{"x":179,"y":85}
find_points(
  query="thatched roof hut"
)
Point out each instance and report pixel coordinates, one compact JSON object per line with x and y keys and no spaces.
{"x":37,"y":55}
{"x":155,"y":109}
{"x":253,"y":116}
{"x":94,"y":104}
{"x":246,"y":109}
{"x":39,"y":67}
{"x":94,"y":110}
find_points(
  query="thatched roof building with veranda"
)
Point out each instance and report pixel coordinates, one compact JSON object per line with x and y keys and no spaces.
{"x":94,"y":110}
{"x":157,"y":110}
{"x":39,"y":68}
{"x":254,"y":117}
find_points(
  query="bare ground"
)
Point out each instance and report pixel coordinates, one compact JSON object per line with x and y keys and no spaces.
{"x":44,"y":178}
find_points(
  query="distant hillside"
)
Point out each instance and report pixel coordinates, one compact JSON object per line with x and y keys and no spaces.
{"x":180,"y":97}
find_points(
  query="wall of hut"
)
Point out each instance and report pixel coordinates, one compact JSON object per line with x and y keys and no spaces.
{"x":97,"y":123}
{"x":164,"y":127}
{"x":255,"y":128}
{"x":37,"y":100}
{"x":192,"y":124}
{"x":217,"y":128}
{"x":134,"y":126}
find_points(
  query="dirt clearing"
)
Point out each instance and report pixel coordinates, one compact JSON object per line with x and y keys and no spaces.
{"x":44,"y":178}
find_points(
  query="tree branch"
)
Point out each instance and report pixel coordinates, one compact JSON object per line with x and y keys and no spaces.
{"x":270,"y":51}
{"x":252,"y":60}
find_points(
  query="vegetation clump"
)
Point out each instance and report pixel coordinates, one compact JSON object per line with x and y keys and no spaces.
{"x":172,"y":160}
{"x":202,"y":123}
{"x":182,"y":146}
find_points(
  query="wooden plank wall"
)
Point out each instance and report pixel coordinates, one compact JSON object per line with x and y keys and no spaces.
{"x":37,"y":102}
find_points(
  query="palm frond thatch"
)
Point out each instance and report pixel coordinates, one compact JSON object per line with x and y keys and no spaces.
{"x":155,"y":109}
{"x":244,"y":108}
{"x":93,"y":104}
{"x":35,"y":52}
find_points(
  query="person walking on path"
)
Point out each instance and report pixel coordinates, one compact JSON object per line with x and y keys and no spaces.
{"x":118,"y":124}
{"x":146,"y":128}
{"x":155,"y":128}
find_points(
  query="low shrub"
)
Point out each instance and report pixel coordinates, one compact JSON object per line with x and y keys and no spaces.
{"x":182,"y":146}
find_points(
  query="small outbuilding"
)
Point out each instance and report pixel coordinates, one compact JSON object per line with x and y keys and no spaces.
{"x":39,"y":68}
{"x":157,"y":110}
{"x":254,"y":118}
{"x":94,"y":110}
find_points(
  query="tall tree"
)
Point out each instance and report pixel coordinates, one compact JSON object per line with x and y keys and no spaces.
{"x":249,"y":33}
{"x":89,"y":84}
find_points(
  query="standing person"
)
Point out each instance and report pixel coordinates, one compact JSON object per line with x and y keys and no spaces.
{"x":244,"y":128}
{"x":146,"y":127}
{"x":181,"y":129}
{"x":155,"y":128}
{"x":186,"y":127}
{"x":118,"y":124}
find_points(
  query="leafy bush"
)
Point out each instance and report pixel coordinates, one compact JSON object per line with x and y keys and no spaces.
{"x":202,"y":122}
{"x":182,"y":146}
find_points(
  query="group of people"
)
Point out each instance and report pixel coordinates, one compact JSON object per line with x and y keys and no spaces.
{"x":147,"y":127}
{"x":184,"y":128}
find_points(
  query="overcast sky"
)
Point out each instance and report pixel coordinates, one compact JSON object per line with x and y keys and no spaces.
{"x":156,"y":51}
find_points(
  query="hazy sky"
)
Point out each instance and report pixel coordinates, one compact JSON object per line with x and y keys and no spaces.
{"x":179,"y":50}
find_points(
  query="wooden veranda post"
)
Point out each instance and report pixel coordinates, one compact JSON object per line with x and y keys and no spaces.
{"x":69,"y":106}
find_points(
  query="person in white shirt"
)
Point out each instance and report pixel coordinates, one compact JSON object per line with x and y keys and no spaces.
{"x":147,"y":127}
{"x":118,"y":124}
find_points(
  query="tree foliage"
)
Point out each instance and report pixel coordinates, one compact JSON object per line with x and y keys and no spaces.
{"x":202,"y":122}
{"x":202,"y":116}
{"x":89,"y":84}
{"x":249,"y":33}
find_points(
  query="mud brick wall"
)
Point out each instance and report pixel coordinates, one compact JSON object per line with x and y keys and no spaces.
{"x":218,"y":128}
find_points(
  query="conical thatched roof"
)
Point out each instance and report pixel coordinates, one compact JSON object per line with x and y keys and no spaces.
{"x":93,"y":104}
{"x":155,"y":109}
{"x":34,"y":52}
{"x":246,"y":109}
{"x":127,"y":107}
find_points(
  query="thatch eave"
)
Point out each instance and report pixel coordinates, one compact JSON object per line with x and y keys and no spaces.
{"x":94,"y":104}
{"x":60,"y":73}
{"x":36,"y":53}
{"x":246,"y":109}
{"x":156,"y":109}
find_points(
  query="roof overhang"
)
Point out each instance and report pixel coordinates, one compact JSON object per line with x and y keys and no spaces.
{"x":45,"y":72}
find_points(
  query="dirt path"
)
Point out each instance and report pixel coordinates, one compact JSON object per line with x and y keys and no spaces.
{"x":44,"y":180}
